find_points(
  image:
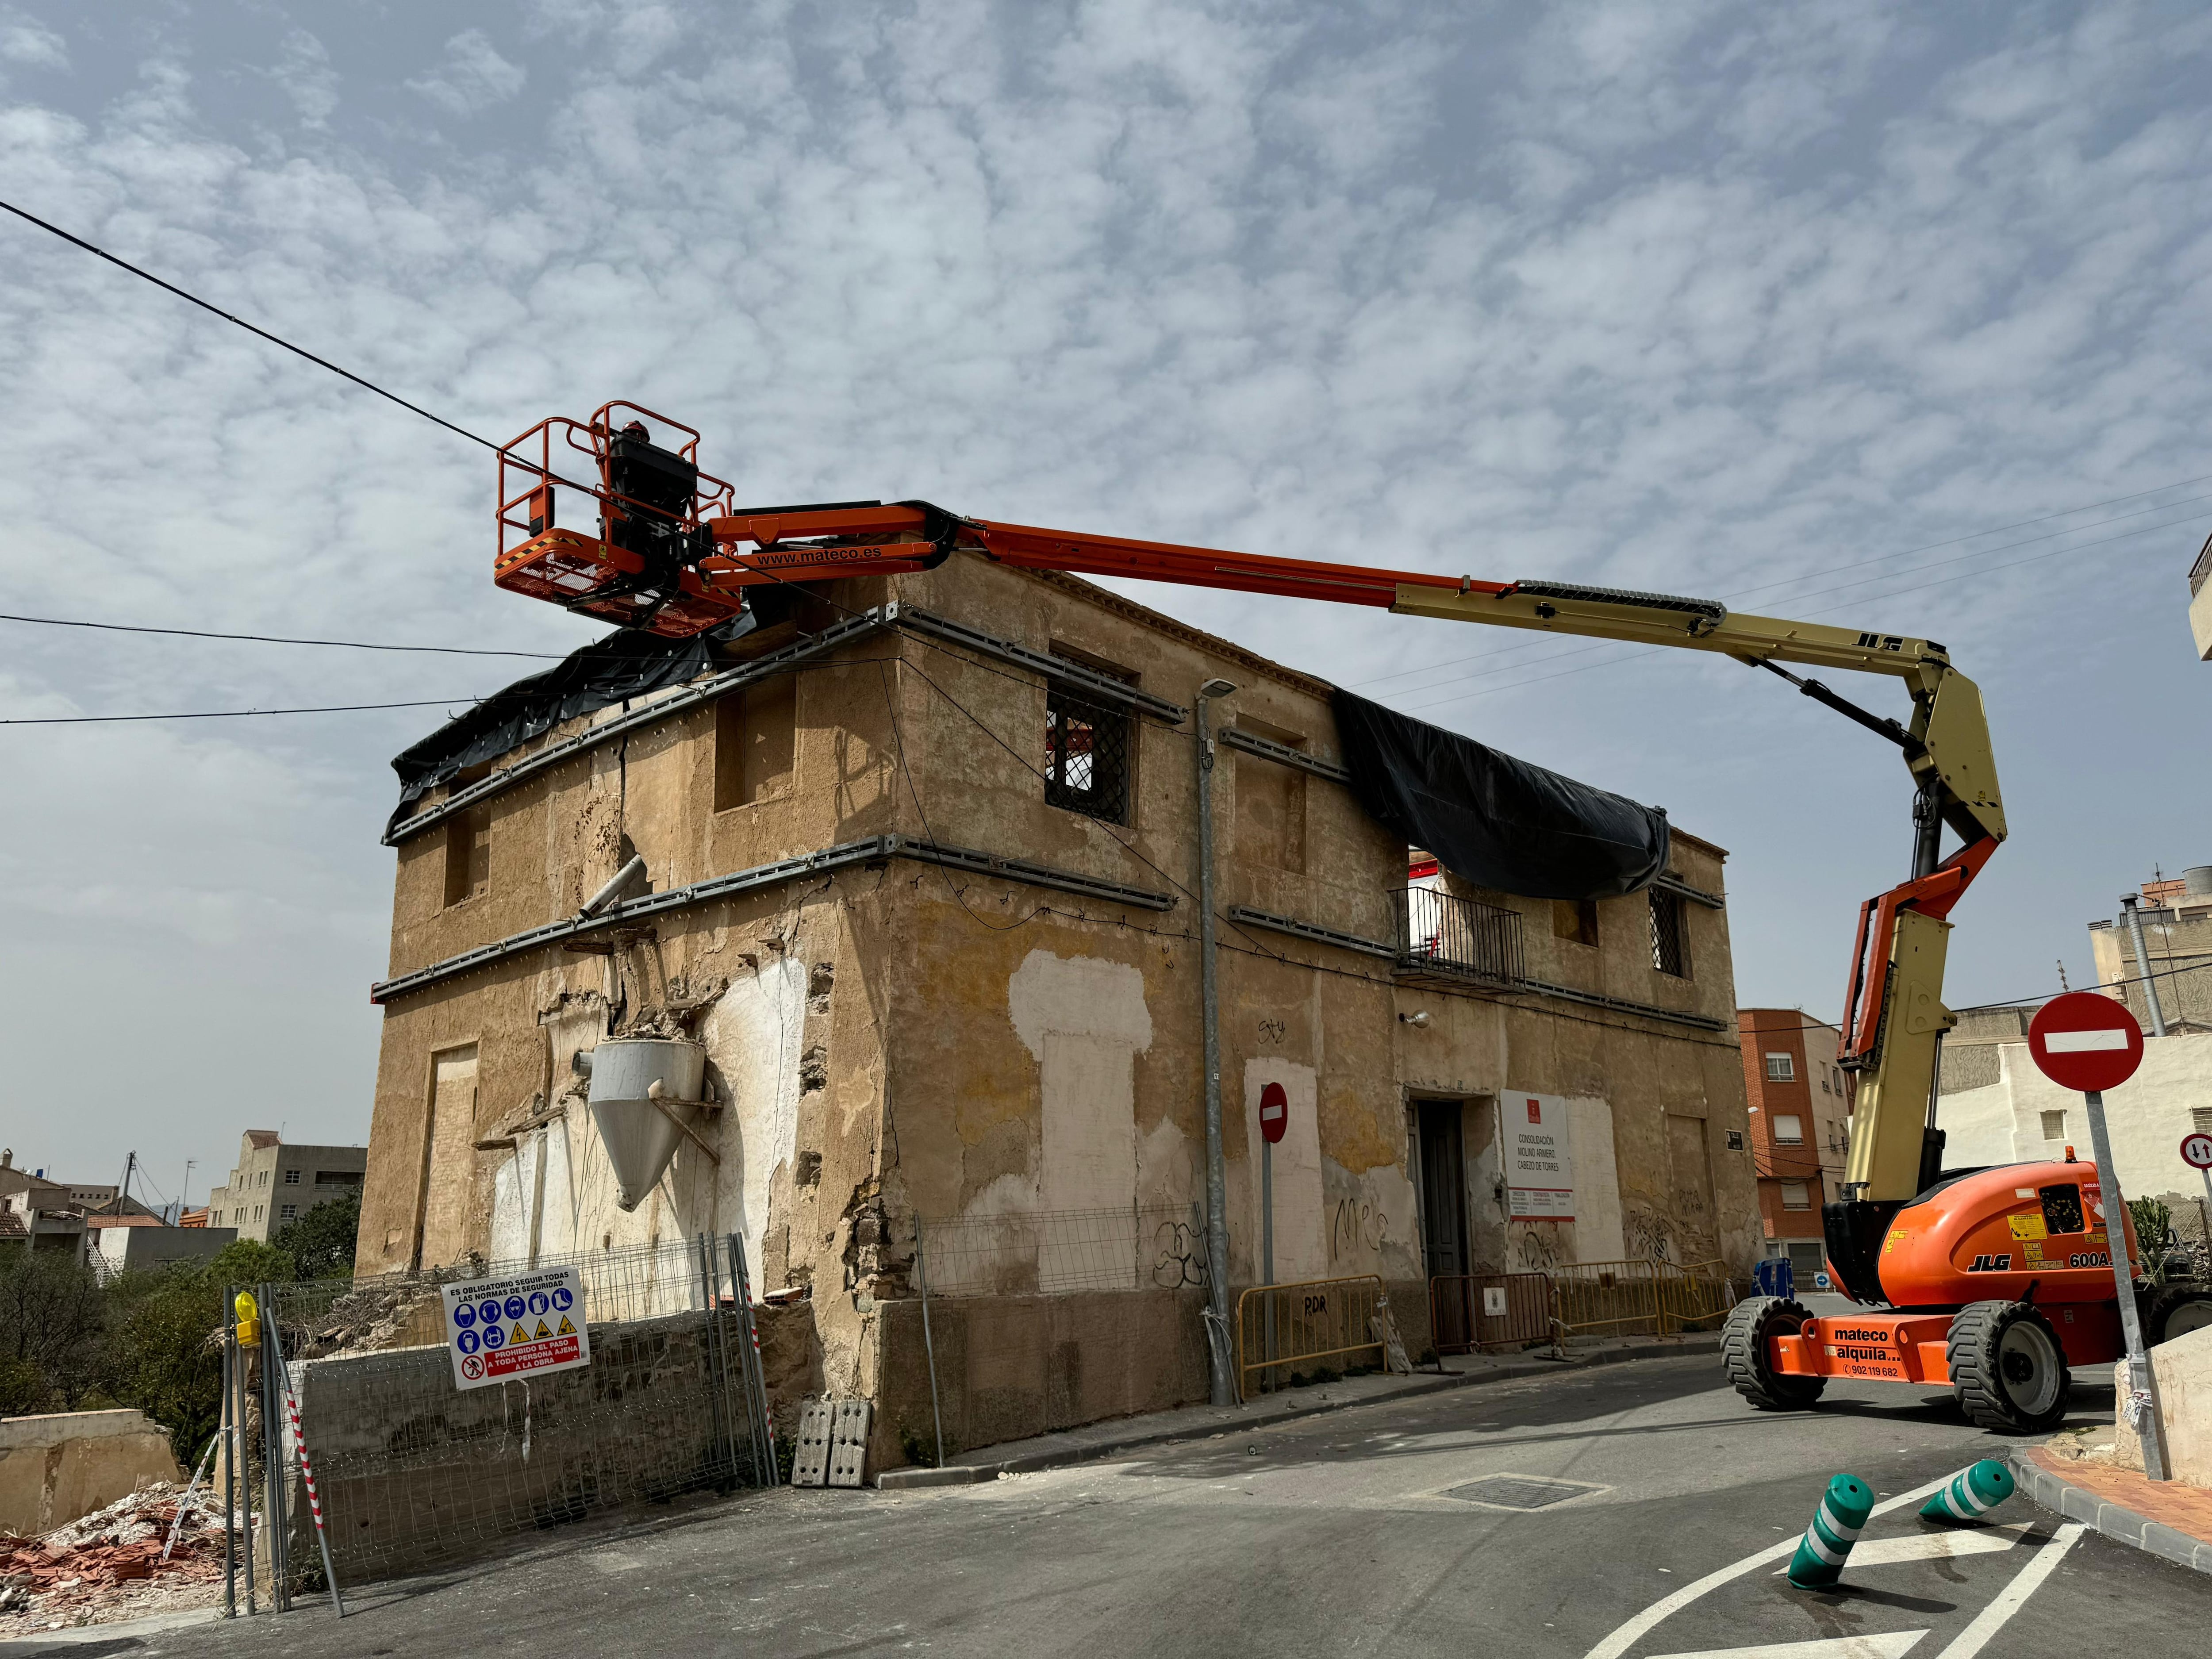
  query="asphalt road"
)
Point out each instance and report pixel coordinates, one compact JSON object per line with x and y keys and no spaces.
{"x":1336,"y":1535}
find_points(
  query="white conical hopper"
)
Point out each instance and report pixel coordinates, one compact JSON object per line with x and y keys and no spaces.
{"x":640,"y":1137}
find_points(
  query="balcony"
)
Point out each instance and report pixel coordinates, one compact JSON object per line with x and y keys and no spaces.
{"x":1447,"y":940}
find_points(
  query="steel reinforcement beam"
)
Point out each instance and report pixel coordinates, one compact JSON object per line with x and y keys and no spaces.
{"x":875,"y":849}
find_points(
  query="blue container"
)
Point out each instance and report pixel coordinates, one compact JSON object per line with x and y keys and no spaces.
{"x":1774,"y":1278}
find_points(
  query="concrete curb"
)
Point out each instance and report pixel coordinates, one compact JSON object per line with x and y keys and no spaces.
{"x":122,"y":1632}
{"x":2056,"y":1493}
{"x":1137,"y":1437}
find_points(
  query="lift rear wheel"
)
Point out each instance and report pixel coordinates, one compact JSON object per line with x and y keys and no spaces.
{"x":1745,"y":1352}
{"x":2177,"y":1310}
{"x":2007,"y":1368}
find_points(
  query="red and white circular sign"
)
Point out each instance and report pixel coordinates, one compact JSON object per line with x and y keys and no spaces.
{"x":1274,"y":1112}
{"x":2196,"y":1151}
{"x":2085,"y":1041}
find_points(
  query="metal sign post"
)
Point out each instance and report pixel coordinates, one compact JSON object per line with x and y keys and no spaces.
{"x":2087,"y":1042}
{"x":1274,"y":1122}
{"x":2197,"y":1153}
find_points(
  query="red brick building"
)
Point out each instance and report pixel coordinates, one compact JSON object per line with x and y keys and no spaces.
{"x":1801,"y":1127}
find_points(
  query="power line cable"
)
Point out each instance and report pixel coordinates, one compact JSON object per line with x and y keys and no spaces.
{"x":280,"y":639}
{"x":233,"y":714}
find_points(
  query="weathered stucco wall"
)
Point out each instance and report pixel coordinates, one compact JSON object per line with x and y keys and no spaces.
{"x":54,"y":1468}
{"x":1000,"y":1060}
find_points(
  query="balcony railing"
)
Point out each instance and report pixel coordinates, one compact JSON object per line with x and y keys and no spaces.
{"x":2202,"y":568}
{"x":1443,"y":935}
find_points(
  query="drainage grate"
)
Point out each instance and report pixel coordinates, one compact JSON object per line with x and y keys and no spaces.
{"x":1518,"y":1492}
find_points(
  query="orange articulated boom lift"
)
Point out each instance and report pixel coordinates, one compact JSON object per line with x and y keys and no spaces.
{"x":1995,"y":1281}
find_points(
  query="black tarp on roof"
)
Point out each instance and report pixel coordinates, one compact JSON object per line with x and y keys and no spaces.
{"x":628,"y":663}
{"x":1492,"y":820}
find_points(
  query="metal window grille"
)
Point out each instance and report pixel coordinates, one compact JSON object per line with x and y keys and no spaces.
{"x":1670,"y":940}
{"x":1443,"y":934}
{"x":1086,"y":749}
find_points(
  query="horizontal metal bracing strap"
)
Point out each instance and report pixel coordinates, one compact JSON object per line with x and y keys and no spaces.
{"x":1695,"y":895}
{"x":1307,"y":930}
{"x":876,"y":849}
{"x":1036,"y":875}
{"x":1622,"y":1005}
{"x":868,"y":622}
{"x":1100,"y":688}
{"x":1283,"y":753}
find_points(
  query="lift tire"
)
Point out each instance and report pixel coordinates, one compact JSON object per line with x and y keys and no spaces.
{"x":2177,"y":1310}
{"x":2007,"y":1368}
{"x":1752,"y":1324}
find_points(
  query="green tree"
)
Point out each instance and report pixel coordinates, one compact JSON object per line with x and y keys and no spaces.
{"x":52,"y":1319}
{"x":164,"y":1354}
{"x":2153,"y":1222}
{"x":321,"y":1242}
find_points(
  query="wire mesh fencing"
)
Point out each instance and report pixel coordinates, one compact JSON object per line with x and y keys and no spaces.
{"x":1049,"y":1252}
{"x":1638,"y":1298}
{"x":415,"y":1472}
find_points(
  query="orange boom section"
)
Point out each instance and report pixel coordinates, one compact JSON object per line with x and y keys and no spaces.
{"x":667,"y":551}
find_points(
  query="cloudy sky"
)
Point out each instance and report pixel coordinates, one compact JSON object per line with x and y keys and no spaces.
{"x":1895,"y":316}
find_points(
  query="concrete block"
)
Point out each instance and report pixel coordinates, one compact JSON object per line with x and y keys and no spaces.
{"x":957,"y":1474}
{"x":2176,"y":1547}
{"x":56,"y":1467}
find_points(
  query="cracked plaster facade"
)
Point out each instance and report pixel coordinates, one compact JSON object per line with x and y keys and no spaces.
{"x":996,"y":1058}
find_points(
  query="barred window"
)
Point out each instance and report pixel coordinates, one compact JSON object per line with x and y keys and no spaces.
{"x":1670,"y":936}
{"x":1086,"y":747}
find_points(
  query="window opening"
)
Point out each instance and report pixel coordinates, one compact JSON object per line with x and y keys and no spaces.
{"x":1575,"y":921}
{"x":1789,"y":1129}
{"x":1086,"y":750}
{"x":1670,"y":942}
{"x":1781,"y":1068}
{"x":468,"y":854}
{"x":291,"y":1178}
{"x":2054,"y":1126}
{"x":1796,"y":1195}
{"x":755,"y":738}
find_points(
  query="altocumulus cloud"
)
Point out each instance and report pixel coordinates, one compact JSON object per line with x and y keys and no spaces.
{"x":1718,"y":297}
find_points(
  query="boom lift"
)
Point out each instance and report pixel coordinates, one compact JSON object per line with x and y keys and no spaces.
{"x":1929,"y":1254}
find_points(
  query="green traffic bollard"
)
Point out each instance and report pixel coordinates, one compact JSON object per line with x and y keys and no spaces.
{"x":1970,"y":1494}
{"x":1828,"y":1542}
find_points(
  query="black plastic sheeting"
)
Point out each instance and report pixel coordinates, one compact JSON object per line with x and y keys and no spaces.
{"x":1492,"y":820}
{"x":626,"y":664}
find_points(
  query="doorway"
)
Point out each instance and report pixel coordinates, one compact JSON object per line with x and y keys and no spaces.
{"x":1444,"y":1211}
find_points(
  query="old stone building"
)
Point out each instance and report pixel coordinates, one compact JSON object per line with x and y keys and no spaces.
{"x":921,"y":854}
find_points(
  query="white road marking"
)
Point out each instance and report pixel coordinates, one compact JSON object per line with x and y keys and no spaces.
{"x":1991,"y":1619}
{"x":1936,"y":1545}
{"x":1630,"y":1633}
{"x":1888,"y":1645}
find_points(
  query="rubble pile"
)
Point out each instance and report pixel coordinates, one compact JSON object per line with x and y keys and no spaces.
{"x":374,"y":1315}
{"x":108,"y":1564}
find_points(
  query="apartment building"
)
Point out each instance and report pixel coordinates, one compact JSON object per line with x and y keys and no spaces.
{"x":1800,"y":1111}
{"x":276,"y":1180}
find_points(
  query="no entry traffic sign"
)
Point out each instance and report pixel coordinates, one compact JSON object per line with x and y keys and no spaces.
{"x":1274,"y":1112}
{"x":2086,"y":1042}
{"x":2196,"y":1151}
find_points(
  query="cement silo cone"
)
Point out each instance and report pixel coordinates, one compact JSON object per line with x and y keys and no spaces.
{"x":640,"y":1137}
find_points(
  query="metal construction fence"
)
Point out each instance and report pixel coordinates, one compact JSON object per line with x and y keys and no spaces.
{"x":1469,"y":1312}
{"x":413,"y":1472}
{"x":1287,"y":1332}
{"x":1639,"y":1299}
{"x":1047,"y":1252}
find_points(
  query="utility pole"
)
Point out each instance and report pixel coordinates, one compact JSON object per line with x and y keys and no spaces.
{"x":2142,"y":964}
{"x":1223,"y":1390}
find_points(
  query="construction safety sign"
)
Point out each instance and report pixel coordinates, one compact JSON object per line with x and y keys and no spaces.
{"x":1540,"y":1165}
{"x":521,"y":1326}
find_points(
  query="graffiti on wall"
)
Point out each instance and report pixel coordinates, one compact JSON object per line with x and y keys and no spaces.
{"x":1356,"y":1227}
{"x":1648,"y":1235}
{"x":1179,"y":1249}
